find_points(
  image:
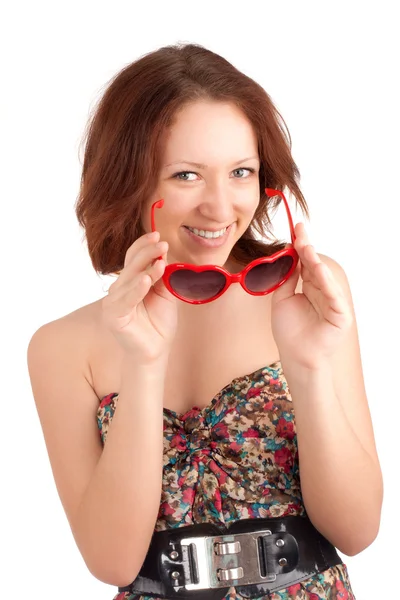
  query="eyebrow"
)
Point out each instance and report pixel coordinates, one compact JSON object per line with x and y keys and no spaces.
{"x":203,"y":166}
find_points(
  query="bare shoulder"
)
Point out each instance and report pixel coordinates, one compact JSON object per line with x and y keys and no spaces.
{"x":84,"y":318}
{"x":70,"y":336}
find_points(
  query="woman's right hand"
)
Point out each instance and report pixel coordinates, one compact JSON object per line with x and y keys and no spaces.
{"x":139,"y":310}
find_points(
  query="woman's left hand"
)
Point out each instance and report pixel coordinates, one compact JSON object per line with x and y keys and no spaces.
{"x":308,"y":327}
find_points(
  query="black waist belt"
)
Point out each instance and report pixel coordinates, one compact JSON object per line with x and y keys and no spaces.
{"x":256,"y":556}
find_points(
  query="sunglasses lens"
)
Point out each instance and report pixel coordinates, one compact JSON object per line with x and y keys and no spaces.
{"x":267,"y":275}
{"x":197,"y":286}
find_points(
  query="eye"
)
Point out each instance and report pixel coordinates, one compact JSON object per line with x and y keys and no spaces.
{"x":177,"y":175}
{"x":243,"y":169}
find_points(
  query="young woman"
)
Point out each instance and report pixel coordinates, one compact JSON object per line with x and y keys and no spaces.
{"x":206,"y":421}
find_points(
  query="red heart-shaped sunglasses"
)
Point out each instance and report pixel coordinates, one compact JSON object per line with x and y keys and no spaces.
{"x":205,"y":283}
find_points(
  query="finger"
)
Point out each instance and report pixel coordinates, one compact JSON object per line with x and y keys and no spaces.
{"x":301,"y":234}
{"x":125,"y":298}
{"x":304,"y":248}
{"x":332,"y":309}
{"x":320,"y":278}
{"x":123,"y":301}
{"x":156,"y":270}
{"x":149,"y":278}
{"x":326,"y":292}
{"x":308,"y":256}
{"x":142,"y":242}
{"x":302,"y":239}
{"x":142,"y":260}
{"x":333,"y":292}
{"x":309,"y":263}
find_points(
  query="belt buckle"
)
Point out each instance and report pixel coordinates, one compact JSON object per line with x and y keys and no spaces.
{"x":228,"y":560}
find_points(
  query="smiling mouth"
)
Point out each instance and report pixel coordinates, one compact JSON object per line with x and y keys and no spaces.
{"x":207,"y":241}
{"x":207,"y":234}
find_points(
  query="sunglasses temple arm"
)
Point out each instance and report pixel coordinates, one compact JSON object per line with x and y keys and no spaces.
{"x":271,"y":192}
{"x":158,"y":204}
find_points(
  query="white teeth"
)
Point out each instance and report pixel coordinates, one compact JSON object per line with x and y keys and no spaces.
{"x":207,"y":234}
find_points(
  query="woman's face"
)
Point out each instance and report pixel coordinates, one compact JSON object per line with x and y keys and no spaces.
{"x":215,"y":197}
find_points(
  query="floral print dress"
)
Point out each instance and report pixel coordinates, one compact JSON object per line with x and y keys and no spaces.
{"x":237,"y":458}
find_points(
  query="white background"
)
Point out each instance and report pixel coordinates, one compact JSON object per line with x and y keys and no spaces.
{"x":332,"y":70}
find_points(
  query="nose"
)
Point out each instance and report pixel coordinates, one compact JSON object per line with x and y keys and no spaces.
{"x":217,"y":205}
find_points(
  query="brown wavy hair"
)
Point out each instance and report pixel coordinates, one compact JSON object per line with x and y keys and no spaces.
{"x":122,"y":158}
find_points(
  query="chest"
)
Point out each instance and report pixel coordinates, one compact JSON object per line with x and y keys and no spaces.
{"x":204,"y":363}
{"x":207,"y":354}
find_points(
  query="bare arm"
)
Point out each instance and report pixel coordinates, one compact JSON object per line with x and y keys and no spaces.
{"x":340,"y":473}
{"x":116,"y":517}
{"x":111,"y":496}
{"x":341,"y":482}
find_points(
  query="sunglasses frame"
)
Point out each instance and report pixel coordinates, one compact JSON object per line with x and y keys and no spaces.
{"x":231,"y":277}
